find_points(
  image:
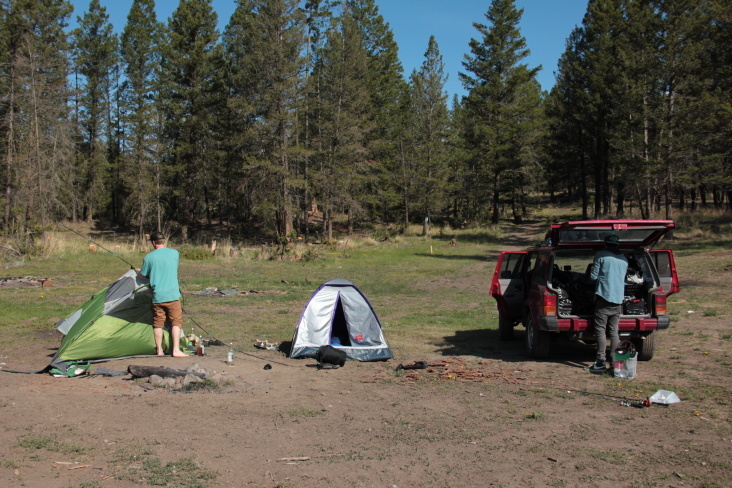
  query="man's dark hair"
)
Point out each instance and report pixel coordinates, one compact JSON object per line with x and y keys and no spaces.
{"x":157,"y":237}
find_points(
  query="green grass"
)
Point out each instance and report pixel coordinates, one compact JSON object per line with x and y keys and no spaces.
{"x":205,"y":386}
{"x":182,"y":473}
{"x":139,"y":464}
{"x":424,"y":290}
{"x":86,"y":484}
{"x":536,"y":416}
{"x":304,"y":412}
{"x":9,"y":463}
{"x":49,"y":443}
{"x":418,"y":295}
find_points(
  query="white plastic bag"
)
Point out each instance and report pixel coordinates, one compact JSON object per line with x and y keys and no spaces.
{"x":664,"y":397}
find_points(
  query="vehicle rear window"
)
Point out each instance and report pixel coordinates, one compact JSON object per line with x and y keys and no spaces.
{"x":590,"y":235}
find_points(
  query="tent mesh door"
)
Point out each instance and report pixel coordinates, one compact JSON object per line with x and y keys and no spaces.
{"x":340,"y":329}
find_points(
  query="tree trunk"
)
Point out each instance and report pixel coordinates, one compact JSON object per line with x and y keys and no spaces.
{"x":583,"y":174}
{"x":496,"y":200}
{"x":10,"y":142}
{"x":329,"y":224}
{"x":350,"y":221}
{"x":703,"y":196}
{"x":284,"y":186}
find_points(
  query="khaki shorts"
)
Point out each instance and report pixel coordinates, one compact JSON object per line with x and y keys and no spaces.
{"x":168,"y":310}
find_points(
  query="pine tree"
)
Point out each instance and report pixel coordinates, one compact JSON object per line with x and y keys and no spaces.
{"x":190,"y":69}
{"x":694,"y":116}
{"x":8,"y":57}
{"x":460,"y":184}
{"x":36,"y":132}
{"x":95,"y":58}
{"x":429,"y":123}
{"x":603,"y":73}
{"x":388,"y":94}
{"x":139,"y":177}
{"x":270,"y":59}
{"x":567,"y":168}
{"x":242,"y":189}
{"x":498,"y":104}
{"x":345,"y":112}
{"x":318,"y":17}
{"x":718,"y":88}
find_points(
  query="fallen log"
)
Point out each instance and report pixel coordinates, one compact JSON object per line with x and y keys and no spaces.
{"x":147,"y":371}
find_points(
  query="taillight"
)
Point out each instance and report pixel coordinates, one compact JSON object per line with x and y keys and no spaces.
{"x":550,"y":305}
{"x":660,"y":304}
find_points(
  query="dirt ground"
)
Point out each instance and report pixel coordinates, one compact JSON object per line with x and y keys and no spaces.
{"x":483,"y":417}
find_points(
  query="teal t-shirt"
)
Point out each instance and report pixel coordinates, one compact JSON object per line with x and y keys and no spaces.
{"x":161,"y":268}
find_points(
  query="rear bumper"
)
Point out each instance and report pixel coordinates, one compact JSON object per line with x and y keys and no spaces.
{"x":626,"y":324}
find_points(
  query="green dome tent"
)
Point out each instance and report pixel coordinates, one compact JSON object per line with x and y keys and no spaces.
{"x":115,"y":322}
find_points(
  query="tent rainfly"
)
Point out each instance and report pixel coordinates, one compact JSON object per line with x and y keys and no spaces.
{"x":340,"y":315}
{"x":115,"y":322}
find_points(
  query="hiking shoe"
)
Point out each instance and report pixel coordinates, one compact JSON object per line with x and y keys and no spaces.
{"x":598,"y":367}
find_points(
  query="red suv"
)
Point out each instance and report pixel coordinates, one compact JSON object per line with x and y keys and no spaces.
{"x":547,"y":288}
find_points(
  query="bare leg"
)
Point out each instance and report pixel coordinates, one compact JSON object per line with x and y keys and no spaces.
{"x":175,"y":339}
{"x":158,"y":334}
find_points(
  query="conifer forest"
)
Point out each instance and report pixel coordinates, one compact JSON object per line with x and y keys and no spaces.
{"x":298,"y":115}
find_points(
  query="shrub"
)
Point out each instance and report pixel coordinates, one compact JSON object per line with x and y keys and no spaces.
{"x":194,"y":253}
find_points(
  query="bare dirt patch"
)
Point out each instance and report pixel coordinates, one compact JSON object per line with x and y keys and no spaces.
{"x":481,"y":415}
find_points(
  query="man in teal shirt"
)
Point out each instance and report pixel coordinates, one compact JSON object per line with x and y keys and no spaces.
{"x":161,"y":268}
{"x":608,"y":271}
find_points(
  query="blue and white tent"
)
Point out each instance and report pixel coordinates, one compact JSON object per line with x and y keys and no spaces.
{"x":340,"y":315}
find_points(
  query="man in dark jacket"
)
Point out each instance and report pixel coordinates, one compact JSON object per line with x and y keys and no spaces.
{"x":608,"y":271}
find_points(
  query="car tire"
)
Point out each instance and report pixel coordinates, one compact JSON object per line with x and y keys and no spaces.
{"x":505,"y":327}
{"x":537,"y":341}
{"x":646,"y":346}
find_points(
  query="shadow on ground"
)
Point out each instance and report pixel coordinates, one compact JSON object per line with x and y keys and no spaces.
{"x":486,"y":344}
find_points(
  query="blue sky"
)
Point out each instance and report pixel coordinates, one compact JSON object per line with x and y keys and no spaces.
{"x":545,"y":24}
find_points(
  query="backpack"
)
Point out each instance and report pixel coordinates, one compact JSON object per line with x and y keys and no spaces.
{"x":329,"y":356}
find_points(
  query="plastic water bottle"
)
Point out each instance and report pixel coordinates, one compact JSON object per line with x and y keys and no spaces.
{"x":618,"y":370}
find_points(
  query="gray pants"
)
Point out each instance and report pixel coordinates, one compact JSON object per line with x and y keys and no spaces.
{"x":607,"y":316}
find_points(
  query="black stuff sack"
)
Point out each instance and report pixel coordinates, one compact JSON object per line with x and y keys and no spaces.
{"x":330,"y":356}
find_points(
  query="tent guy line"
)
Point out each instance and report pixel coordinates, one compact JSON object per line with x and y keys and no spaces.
{"x":230,"y":346}
{"x":97,"y":244}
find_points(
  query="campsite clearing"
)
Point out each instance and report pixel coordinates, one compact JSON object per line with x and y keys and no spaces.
{"x":481,"y":414}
